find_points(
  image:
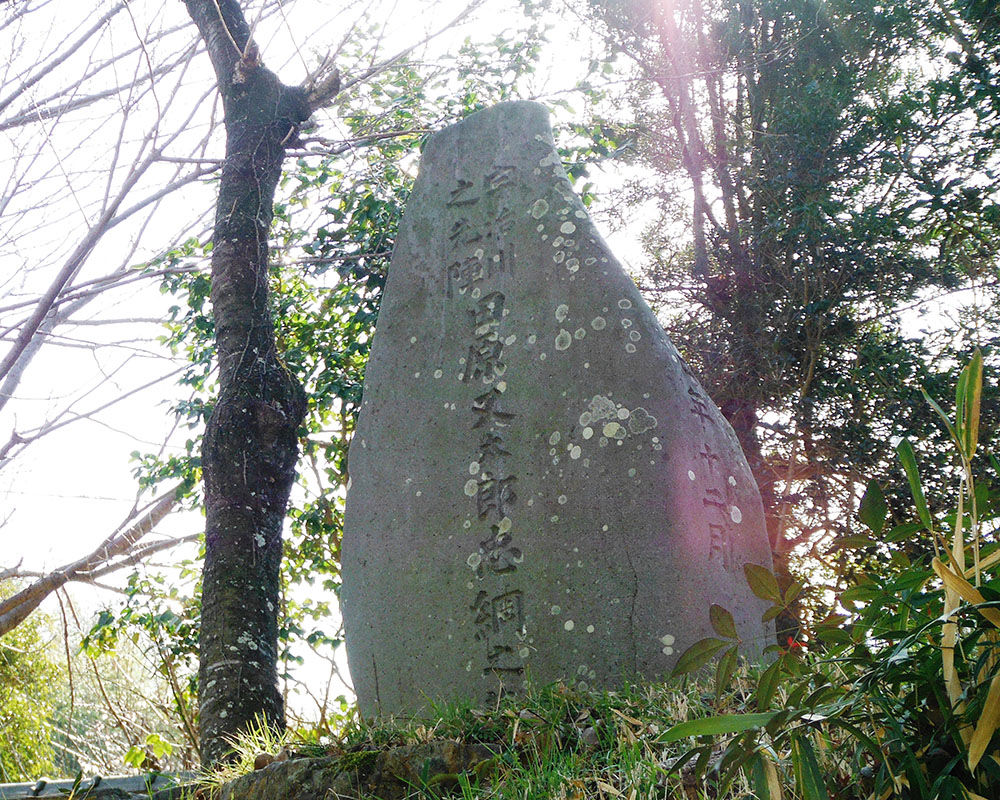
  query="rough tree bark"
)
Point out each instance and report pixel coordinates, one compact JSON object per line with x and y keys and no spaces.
{"x":250,"y":445}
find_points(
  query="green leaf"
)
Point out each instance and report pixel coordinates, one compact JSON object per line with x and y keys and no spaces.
{"x":724,"y":671}
{"x":763,"y":777}
{"x":698,"y":654}
{"x":135,"y":757}
{"x":767,"y":684}
{"x":793,"y":590}
{"x":762,"y":582}
{"x":851,"y":542}
{"x":905,"y":452}
{"x":873,"y":508}
{"x":710,"y":726}
{"x":808,"y":777}
{"x":863,"y":593}
{"x":970,"y":392}
{"x":941,"y":413}
{"x":722,"y":621}
{"x":902,"y":532}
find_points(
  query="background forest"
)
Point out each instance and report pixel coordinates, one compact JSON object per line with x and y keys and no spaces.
{"x":805,"y":191}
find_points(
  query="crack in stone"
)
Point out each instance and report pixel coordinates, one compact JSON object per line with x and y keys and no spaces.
{"x":631,"y":611}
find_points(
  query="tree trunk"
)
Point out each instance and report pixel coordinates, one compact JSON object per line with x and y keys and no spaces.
{"x":250,"y":446}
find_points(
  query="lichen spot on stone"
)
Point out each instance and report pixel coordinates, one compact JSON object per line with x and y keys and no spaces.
{"x":624,"y":303}
{"x":601,"y":407}
{"x":554,"y":611}
{"x":580,"y":214}
{"x":732,"y":481}
{"x":579,"y":333}
{"x":590,"y":629}
{"x":613,"y":430}
{"x":562,"y":499}
{"x":635,"y":336}
{"x":569,"y":625}
{"x":573,"y":264}
{"x":474,"y":560}
{"x":585,"y":418}
{"x":563,"y":339}
{"x":667,"y":639}
{"x":471,"y":487}
{"x":558,"y":257}
{"x":622,"y":413}
{"x":587,"y":432}
{"x":502,"y":386}
{"x":630,"y":348}
{"x":540,"y":208}
{"x":641,"y":421}
{"x":438,"y":373}
{"x":575,"y":452}
{"x":505,"y":525}
{"x":561,"y":311}
{"x":555,"y":437}
{"x":735,"y":514}
{"x":474,"y":468}
{"x":598,"y":323}
{"x":667,"y":651}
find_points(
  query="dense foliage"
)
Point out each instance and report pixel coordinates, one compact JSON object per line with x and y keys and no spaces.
{"x":28,"y":688}
{"x":902,"y":696}
{"x":818,"y":172}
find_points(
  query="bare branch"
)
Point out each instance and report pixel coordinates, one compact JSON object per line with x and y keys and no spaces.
{"x":16,"y":608}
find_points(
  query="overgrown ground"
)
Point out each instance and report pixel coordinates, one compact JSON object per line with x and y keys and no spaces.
{"x":555,"y":742}
{"x":560,"y":742}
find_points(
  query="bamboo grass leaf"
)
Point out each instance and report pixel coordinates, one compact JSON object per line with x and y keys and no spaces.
{"x":905,"y":452}
{"x":988,"y":722}
{"x":972,"y":376}
{"x":728,"y":723}
{"x":968,"y":592}
{"x":808,"y":777}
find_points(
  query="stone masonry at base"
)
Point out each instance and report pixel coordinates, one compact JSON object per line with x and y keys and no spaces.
{"x":540,"y":488}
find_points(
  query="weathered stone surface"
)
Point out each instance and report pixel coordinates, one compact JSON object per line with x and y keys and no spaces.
{"x":96,"y":788}
{"x":387,"y":775}
{"x":540,"y":487}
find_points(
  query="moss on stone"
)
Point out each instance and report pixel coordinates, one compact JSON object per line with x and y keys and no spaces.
{"x":361,"y":762}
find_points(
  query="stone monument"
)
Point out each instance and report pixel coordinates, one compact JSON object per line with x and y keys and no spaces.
{"x":539,"y":486}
